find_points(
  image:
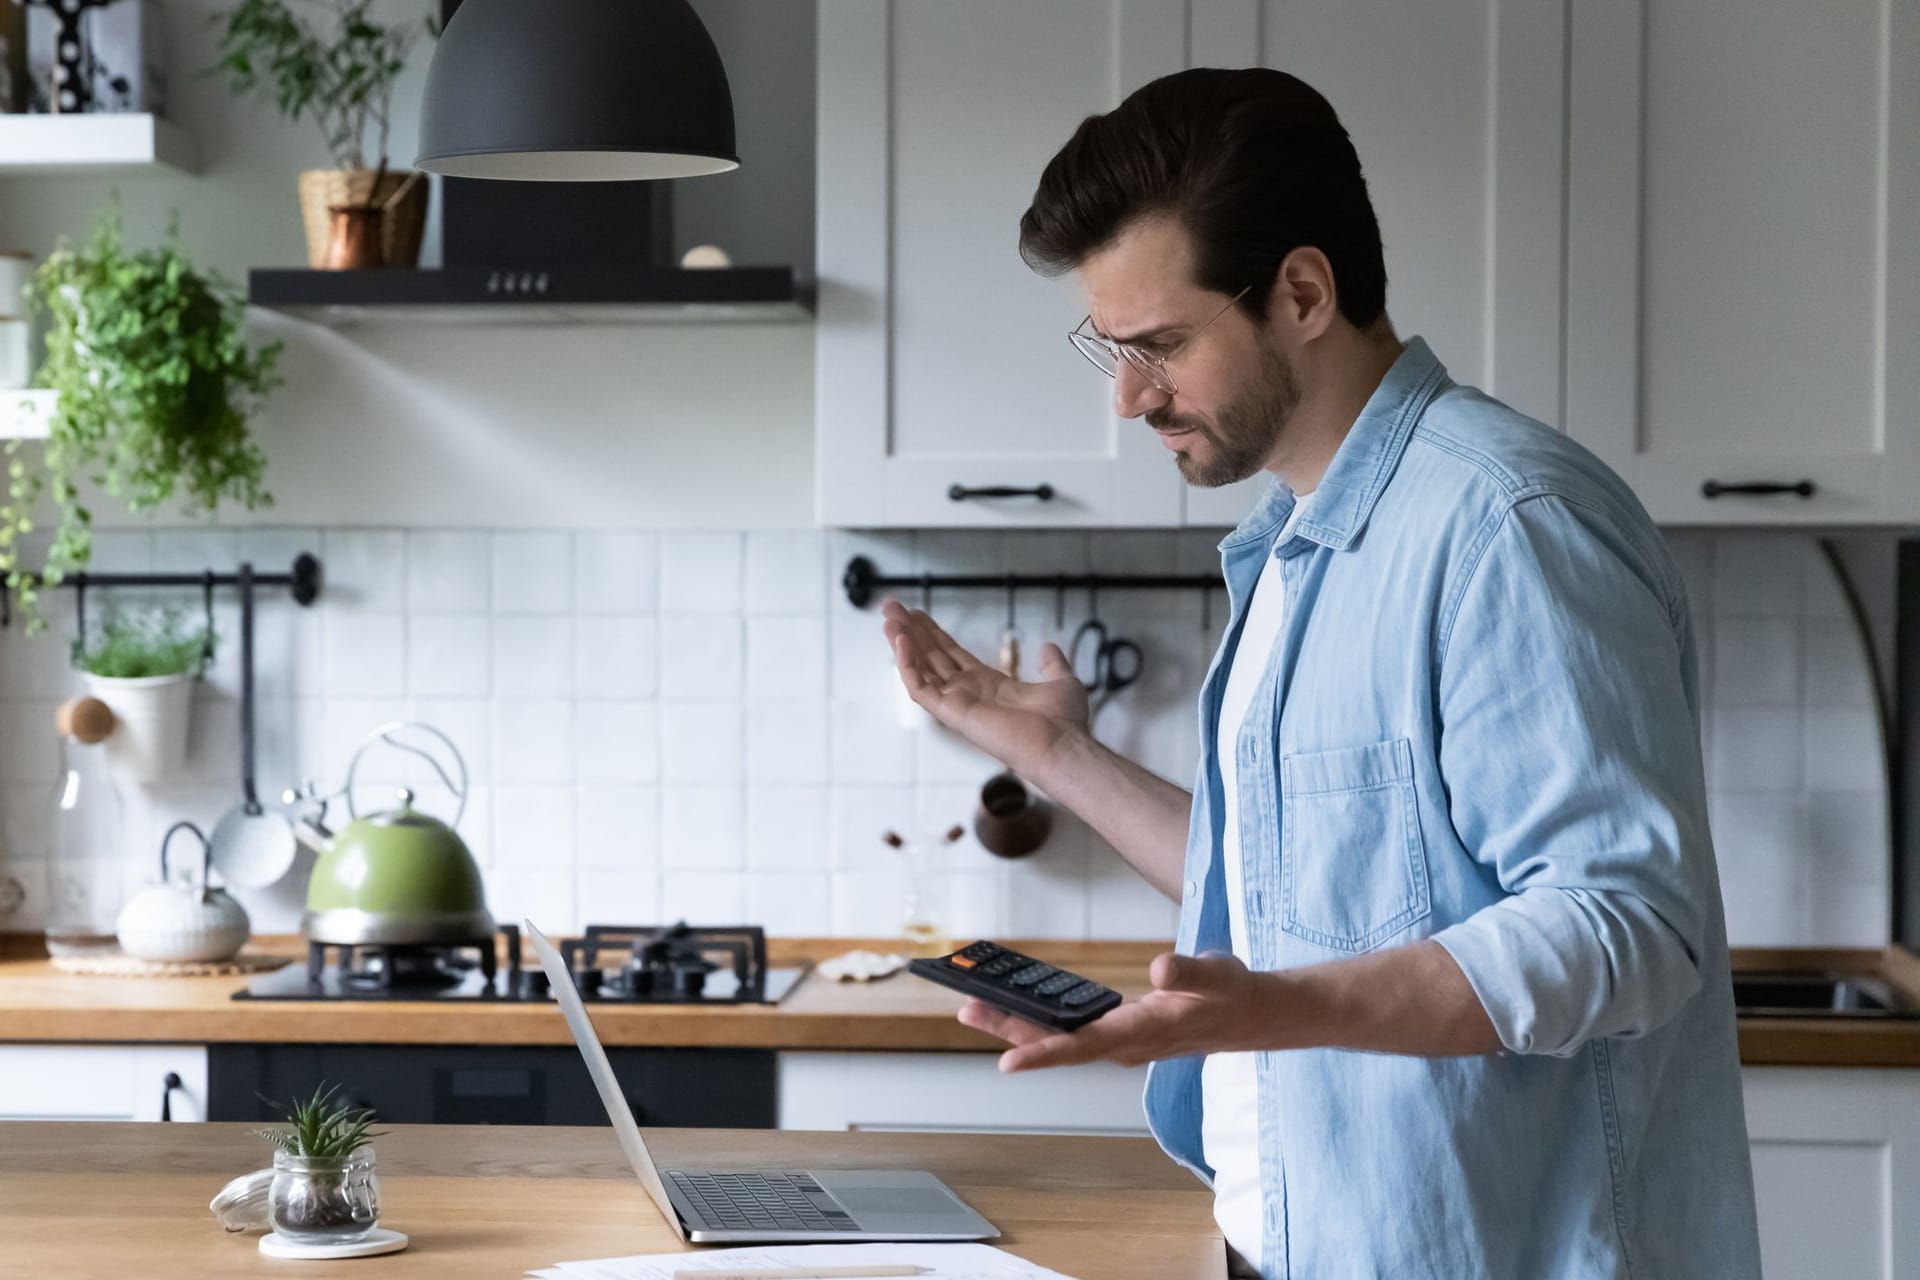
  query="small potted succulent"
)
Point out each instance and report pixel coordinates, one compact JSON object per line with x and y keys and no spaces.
{"x":324,"y":1190}
{"x":141,"y":663}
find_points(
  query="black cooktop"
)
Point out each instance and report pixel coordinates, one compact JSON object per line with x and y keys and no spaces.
{"x":611,"y":964}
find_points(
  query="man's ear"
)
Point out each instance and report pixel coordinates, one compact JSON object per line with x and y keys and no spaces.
{"x":1303,"y":296}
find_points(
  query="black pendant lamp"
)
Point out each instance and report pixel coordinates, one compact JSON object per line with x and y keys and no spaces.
{"x":576,"y":91}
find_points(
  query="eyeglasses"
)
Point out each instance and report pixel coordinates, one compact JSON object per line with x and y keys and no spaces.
{"x":1106,"y":356}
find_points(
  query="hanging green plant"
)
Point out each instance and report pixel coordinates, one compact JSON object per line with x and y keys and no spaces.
{"x":155,"y":383}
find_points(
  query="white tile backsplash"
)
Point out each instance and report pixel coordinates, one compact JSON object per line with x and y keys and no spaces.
{"x":701,"y":656}
{"x":616,"y":657}
{"x":449,"y":571}
{"x":700,"y":573}
{"x":533,"y":656}
{"x":616,"y":573}
{"x":530,"y":572}
{"x":787,"y":572}
{"x":664,"y":724}
{"x":449,"y":655}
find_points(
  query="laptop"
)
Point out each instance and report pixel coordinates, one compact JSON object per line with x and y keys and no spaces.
{"x":761,"y":1206}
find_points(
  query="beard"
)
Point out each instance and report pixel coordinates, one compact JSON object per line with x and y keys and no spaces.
{"x":1243,"y":437}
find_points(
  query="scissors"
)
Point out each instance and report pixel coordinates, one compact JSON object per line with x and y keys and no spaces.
{"x":1111,"y":663}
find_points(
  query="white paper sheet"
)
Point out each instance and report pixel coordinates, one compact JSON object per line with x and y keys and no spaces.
{"x":945,"y":1262}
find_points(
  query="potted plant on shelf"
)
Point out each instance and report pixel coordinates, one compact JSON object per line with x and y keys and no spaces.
{"x":324,"y":1190}
{"x":141,"y":664}
{"x":153,"y":383}
{"x":340,"y":74}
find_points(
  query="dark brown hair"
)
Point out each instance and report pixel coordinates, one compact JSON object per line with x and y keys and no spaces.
{"x":1254,"y":163}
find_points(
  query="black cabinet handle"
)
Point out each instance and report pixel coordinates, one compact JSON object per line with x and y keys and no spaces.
{"x":171,"y":1083}
{"x":960,"y":492}
{"x":1715,"y":489}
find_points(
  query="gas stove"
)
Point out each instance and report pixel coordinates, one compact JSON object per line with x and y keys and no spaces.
{"x":611,"y":964}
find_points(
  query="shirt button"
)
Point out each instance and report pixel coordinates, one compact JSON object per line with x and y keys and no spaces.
{"x":1192,"y":888}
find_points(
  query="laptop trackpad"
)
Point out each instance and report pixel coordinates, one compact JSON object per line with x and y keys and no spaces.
{"x":905,"y":1202}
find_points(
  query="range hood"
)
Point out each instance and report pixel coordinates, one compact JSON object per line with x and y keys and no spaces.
{"x":543,"y":251}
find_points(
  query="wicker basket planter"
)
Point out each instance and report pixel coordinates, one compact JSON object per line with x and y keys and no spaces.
{"x":401,"y":229}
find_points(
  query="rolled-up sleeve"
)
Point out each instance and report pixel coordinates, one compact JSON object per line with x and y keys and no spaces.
{"x":1569,"y":747}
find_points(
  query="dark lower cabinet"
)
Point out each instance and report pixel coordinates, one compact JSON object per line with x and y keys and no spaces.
{"x":483,"y":1084}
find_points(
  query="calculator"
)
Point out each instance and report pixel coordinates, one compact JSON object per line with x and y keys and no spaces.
{"x":1020,"y":985}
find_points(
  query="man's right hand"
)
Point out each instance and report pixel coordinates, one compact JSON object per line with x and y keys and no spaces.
{"x":1021,"y":723}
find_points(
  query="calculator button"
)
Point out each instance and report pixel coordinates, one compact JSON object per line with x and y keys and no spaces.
{"x":962,"y":961}
{"x":1082,"y":994}
{"x":999,"y":966}
{"x":1057,"y":983}
{"x":1033,"y":973}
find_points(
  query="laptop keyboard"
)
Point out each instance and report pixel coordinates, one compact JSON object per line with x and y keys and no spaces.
{"x":757,"y":1201}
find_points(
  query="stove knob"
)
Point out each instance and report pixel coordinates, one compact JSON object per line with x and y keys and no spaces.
{"x":587,"y":981}
{"x":534,"y":982}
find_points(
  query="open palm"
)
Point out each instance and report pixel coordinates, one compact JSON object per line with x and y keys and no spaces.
{"x":1017,"y":721}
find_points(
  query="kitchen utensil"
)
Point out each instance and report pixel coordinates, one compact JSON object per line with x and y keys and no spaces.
{"x":1105,"y":664}
{"x":182,"y":918}
{"x":253,"y":846}
{"x":1011,"y":821}
{"x":400,"y":876}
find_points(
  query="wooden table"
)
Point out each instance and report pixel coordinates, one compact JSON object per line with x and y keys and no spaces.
{"x":130,"y":1200}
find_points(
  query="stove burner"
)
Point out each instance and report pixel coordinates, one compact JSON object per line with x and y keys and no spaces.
{"x":672,"y":964}
{"x":412,"y":966}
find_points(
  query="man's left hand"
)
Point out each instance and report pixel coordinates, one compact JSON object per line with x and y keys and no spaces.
{"x":1199,"y":1004}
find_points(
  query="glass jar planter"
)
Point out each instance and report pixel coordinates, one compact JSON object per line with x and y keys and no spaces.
{"x":324,"y":1199}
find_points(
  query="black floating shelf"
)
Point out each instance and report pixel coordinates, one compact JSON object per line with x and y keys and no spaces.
{"x":535,"y":295}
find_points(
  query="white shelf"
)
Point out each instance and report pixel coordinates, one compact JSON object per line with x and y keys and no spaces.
{"x":32,"y":144}
{"x":24,"y":414}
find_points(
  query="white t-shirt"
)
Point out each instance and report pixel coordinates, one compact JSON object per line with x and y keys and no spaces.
{"x":1229,"y":1094}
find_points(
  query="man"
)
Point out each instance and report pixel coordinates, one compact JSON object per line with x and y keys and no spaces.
{"x":1451,"y":992}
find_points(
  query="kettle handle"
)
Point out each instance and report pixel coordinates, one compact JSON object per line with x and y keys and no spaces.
{"x":383,"y":734}
{"x":206,"y":855}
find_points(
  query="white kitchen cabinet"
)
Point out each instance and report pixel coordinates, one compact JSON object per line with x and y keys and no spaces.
{"x":1836,"y":1170}
{"x":1743,"y":254}
{"x":102,"y":1081}
{"x":1455,"y":108}
{"x":956,"y":1092}
{"x":940,"y":359}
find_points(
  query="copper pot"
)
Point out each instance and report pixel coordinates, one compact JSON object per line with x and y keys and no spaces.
{"x":354,"y":239}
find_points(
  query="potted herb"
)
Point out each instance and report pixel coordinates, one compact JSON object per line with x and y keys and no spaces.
{"x":324,"y":1189}
{"x":154,"y":382}
{"x":330,"y":62}
{"x":141,"y":664}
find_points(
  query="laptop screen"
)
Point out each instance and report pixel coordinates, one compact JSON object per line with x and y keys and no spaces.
{"x":575,"y":1010}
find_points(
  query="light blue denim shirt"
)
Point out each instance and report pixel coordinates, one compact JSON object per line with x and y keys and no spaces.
{"x":1479,"y":725}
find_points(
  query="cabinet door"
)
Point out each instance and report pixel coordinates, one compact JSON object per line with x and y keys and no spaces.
{"x":1743,"y":268}
{"x":1836,"y":1171}
{"x":1455,"y":107}
{"x":957,"y":1092}
{"x":103,"y":1082}
{"x":941,"y":360}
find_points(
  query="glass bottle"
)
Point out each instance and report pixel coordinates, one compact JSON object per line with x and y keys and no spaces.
{"x":86,"y":878}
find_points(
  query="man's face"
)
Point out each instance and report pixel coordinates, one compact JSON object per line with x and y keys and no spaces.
{"x":1236,"y":389}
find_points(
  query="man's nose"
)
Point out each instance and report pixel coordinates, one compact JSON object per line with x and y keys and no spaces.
{"x":1134,"y":393}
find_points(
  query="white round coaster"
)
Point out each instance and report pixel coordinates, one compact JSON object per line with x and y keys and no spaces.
{"x":380,"y":1241}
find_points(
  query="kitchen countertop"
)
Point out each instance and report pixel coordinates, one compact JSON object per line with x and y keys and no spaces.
{"x":901,"y":1013}
{"x":93,"y":1199}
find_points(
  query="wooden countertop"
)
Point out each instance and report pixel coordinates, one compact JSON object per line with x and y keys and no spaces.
{"x":39,"y":1003}
{"x":92,"y":1200}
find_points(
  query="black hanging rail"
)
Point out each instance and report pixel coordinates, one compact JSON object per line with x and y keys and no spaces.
{"x":303,"y":580}
{"x":863,"y":582}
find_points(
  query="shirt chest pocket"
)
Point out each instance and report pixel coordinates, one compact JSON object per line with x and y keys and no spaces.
{"x":1353,"y":870}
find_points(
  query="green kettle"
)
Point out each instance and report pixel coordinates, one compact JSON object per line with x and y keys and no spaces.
{"x":398,"y":877}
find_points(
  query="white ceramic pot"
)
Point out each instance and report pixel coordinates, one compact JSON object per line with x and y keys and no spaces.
{"x":151,"y":716}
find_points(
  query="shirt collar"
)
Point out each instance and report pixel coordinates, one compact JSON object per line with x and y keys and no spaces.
{"x":1363,"y":463}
